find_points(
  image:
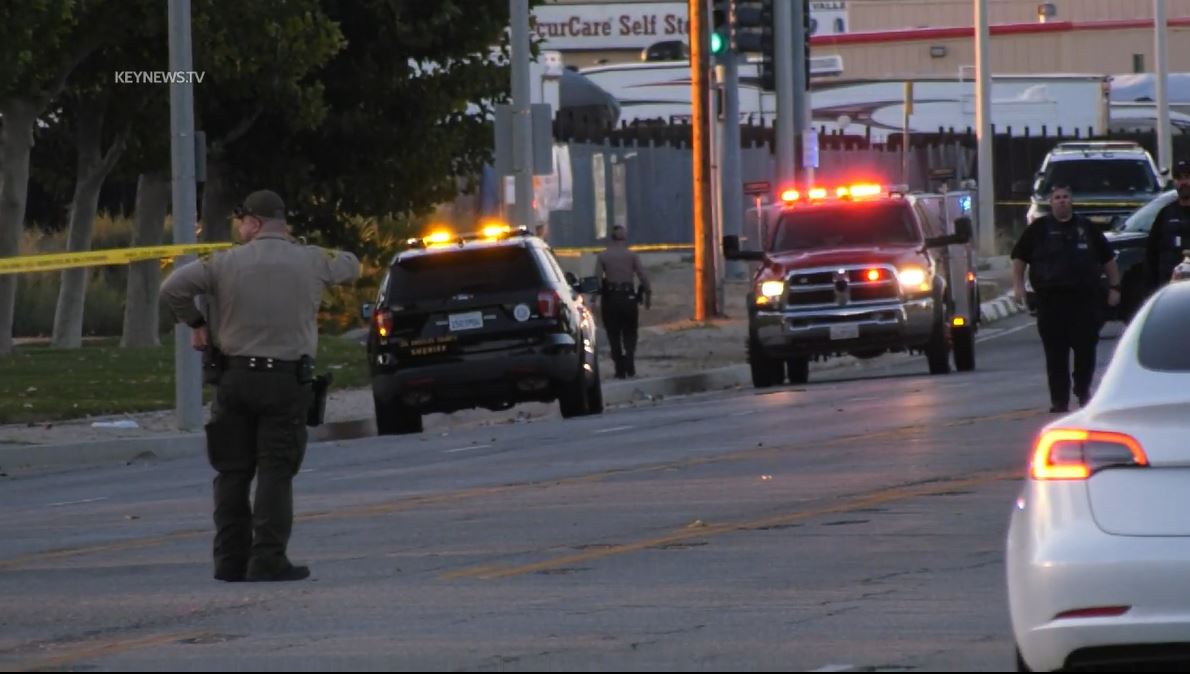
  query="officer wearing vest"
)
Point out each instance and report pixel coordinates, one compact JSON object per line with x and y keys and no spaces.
{"x":1170,"y":235}
{"x":266,"y":295}
{"x":1066,"y":256}
{"x":617,"y":266}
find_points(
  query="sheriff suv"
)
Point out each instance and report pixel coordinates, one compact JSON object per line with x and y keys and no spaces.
{"x":864,"y":272}
{"x":1109,"y":179}
{"x":486,"y":320}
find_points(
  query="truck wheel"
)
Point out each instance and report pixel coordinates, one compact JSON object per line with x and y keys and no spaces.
{"x":937,"y":353}
{"x":396,"y":418}
{"x":798,"y":369}
{"x":964,"y":348}
{"x":766,"y":371}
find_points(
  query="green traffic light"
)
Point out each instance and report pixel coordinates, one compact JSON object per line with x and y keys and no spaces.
{"x":718,"y":44}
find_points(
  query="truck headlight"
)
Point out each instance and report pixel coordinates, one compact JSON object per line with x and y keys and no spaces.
{"x":914,"y":278}
{"x":770,"y":292}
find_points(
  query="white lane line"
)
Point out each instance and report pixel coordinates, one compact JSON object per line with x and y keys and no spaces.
{"x":1008,"y":331}
{"x":465,"y":449}
{"x":835,"y":668}
{"x":86,"y":500}
{"x":862,"y":399}
{"x":743,"y":414}
{"x":613,"y":429}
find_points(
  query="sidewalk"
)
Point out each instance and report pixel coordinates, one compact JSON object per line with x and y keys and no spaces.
{"x":675,"y":356}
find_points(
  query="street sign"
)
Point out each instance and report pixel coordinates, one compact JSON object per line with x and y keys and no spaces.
{"x":757,"y":187}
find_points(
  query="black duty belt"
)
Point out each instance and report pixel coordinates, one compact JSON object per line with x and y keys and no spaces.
{"x":620,"y":288}
{"x":262,"y":364}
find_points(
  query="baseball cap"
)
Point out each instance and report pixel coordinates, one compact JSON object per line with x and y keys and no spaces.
{"x":262,"y":203}
{"x":1181,"y":168}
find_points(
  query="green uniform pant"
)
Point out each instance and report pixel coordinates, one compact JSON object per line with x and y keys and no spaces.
{"x":257,"y":428}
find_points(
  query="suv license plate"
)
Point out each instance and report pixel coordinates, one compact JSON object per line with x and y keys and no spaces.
{"x":468,"y":321}
{"x":844,"y":331}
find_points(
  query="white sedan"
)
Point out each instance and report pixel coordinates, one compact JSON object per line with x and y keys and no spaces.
{"x":1098,"y":556}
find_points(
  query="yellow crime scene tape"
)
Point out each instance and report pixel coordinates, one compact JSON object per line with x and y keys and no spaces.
{"x":640,"y":248}
{"x":100,"y":258}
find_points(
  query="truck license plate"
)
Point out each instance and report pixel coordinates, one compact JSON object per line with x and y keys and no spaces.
{"x":468,"y":321}
{"x":844,"y":331}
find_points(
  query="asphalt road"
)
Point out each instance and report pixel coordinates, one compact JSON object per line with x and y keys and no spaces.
{"x":855,"y":523}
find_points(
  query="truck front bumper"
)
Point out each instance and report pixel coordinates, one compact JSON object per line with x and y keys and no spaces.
{"x":824,"y":330}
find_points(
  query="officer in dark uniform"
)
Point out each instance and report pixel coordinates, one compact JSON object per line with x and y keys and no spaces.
{"x":266,"y":294}
{"x":618,"y":267}
{"x":1170,"y":235}
{"x":1066,"y":255}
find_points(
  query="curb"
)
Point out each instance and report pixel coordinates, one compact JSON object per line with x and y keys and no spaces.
{"x":615,"y":393}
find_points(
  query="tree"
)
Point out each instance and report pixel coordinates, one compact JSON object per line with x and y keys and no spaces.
{"x":409,"y":107}
{"x":272,"y":81}
{"x":41,"y":44}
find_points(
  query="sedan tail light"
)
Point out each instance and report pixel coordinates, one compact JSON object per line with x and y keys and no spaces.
{"x":1069,"y":454}
{"x":549,"y":302}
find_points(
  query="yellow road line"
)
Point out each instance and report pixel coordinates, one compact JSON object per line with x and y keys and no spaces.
{"x":859,"y":502}
{"x":93,"y":650}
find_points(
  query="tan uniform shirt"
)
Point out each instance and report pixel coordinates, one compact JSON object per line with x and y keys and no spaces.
{"x":266,"y":293}
{"x":618,"y":264}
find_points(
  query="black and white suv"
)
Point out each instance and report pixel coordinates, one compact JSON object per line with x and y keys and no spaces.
{"x":1109,"y":179}
{"x":479,"y":321}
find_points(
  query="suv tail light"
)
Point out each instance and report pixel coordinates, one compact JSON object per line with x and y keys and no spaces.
{"x":383,"y":320}
{"x":549,"y":302}
{"x":1068,"y":454}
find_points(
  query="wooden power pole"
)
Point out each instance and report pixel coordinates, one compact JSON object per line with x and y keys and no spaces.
{"x":704,"y":237}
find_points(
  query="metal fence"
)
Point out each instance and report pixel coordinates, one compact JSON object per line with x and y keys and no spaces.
{"x":641,"y":176}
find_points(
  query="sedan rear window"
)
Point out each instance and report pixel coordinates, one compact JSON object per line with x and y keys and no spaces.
{"x":1163,"y":339}
{"x":445,"y":274}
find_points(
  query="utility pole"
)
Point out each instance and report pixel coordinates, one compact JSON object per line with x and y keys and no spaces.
{"x":783,"y":68}
{"x":731,"y":191}
{"x":704,"y":257}
{"x":1161,"y":46}
{"x":522,"y":120}
{"x":187,"y":362}
{"x":983,"y":129}
{"x":799,"y":63}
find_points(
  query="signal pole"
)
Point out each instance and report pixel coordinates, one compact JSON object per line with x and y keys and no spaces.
{"x":704,"y":251}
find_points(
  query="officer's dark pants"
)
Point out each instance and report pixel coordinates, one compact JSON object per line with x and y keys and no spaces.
{"x":258,"y":427}
{"x":621,"y":315}
{"x":1069,"y":320}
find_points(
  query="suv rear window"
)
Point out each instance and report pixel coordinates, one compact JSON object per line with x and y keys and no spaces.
{"x":1095,"y":176}
{"x":1163,"y":337}
{"x":846,"y":224}
{"x":448,"y":273}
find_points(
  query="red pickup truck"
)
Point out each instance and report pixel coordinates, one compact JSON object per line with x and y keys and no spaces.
{"x":862,"y":271}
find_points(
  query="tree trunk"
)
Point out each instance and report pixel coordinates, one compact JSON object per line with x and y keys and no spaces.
{"x":16,"y":142}
{"x":93,"y":167}
{"x":141,"y":317}
{"x":218,"y":201}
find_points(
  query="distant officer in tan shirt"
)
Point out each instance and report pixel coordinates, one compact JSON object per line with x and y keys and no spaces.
{"x":266,"y":295}
{"x":617,"y":266}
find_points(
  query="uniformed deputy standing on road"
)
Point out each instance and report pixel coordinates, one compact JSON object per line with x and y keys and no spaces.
{"x":617,"y":266}
{"x":1170,"y":235}
{"x":1066,"y":254}
{"x":266,"y":294}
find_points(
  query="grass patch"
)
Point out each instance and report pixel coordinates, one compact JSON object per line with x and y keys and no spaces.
{"x":39,"y":384}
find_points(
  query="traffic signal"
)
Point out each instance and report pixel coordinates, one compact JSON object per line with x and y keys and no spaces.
{"x":751,"y":21}
{"x":720,"y":38}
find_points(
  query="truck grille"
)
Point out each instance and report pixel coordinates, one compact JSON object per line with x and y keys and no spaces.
{"x":815,"y":288}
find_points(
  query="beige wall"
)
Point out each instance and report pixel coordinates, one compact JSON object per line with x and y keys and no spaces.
{"x":876,"y":15}
{"x":1070,"y":52}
